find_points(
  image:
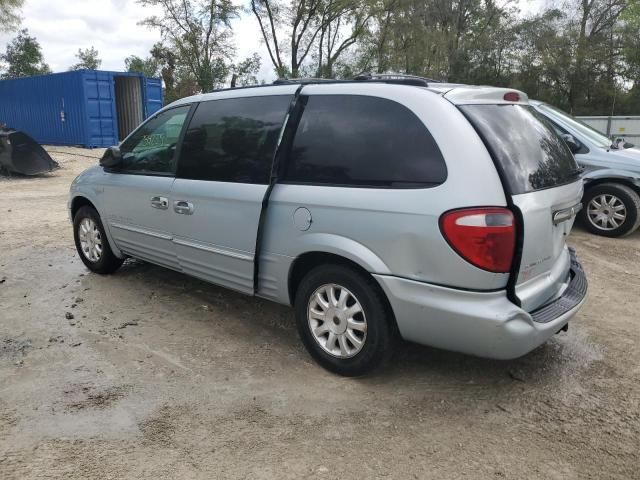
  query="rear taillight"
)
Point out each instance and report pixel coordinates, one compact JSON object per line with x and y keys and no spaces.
{"x":484,"y":237}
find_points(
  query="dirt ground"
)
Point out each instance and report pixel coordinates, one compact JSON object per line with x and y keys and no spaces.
{"x":150,"y":374}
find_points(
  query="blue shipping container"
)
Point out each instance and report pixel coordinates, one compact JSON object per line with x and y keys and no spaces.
{"x":91,"y":108}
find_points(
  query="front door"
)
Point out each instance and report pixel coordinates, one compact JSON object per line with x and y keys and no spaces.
{"x":222,"y":176}
{"x":138,"y":194}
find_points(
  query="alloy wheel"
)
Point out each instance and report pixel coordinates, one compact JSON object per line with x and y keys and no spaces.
{"x":90,"y":239}
{"x":337,"y":320}
{"x":606,"y":212}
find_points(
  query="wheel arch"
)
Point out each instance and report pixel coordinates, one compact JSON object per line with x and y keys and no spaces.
{"x":631,"y":182}
{"x":78,"y":202}
{"x":306,"y":261}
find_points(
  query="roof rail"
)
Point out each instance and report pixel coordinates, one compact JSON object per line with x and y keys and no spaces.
{"x":399,"y":78}
{"x":306,"y":80}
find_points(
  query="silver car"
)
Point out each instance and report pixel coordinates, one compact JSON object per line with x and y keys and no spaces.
{"x":377,"y":208}
{"x":611,"y":174}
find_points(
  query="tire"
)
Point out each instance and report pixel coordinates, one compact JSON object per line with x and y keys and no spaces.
{"x":104,"y":263}
{"x":348,"y":359}
{"x":616,"y":195}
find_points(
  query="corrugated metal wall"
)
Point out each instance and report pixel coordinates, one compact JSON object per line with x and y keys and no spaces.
{"x":619,"y":126}
{"x":77,"y":108}
{"x":128,"y":104}
{"x":49,"y":108}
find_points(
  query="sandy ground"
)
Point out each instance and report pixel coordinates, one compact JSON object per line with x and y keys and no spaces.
{"x":156,"y":375}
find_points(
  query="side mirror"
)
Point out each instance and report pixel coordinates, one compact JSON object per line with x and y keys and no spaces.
{"x":112,"y":158}
{"x":572,"y":143}
{"x":618,"y":143}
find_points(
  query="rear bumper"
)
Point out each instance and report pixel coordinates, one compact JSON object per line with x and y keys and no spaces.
{"x":485,"y":324}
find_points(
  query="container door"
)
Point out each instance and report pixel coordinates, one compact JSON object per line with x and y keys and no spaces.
{"x":101,"y":109}
{"x":151,"y":95}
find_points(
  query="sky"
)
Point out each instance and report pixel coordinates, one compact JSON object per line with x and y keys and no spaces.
{"x":111,"y":26}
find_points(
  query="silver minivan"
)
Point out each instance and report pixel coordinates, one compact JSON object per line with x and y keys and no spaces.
{"x":380,"y":208}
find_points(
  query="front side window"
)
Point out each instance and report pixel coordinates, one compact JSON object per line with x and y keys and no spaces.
{"x":233,"y":140}
{"x":151,"y":148}
{"x":363,"y":141}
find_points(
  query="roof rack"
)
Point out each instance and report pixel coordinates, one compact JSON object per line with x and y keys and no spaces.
{"x":306,"y":80}
{"x":399,"y":78}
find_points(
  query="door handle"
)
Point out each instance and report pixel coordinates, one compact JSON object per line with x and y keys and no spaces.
{"x":560,"y":216}
{"x":161,"y":203}
{"x":182,"y":207}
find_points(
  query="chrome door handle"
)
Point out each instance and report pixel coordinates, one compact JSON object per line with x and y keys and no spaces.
{"x":560,"y":216}
{"x":161,"y":203}
{"x":182,"y":207}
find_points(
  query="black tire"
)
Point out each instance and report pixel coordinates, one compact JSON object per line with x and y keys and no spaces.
{"x":378,"y":342}
{"x":626,"y":195}
{"x":108,"y":262}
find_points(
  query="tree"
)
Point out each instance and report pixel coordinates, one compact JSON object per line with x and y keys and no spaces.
{"x":148,"y":66}
{"x":199,"y":33}
{"x":245,"y":72}
{"x":88,"y":59}
{"x":23,"y":57}
{"x":9,"y":17}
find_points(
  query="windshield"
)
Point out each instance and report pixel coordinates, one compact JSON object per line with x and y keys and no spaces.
{"x":526,"y":149}
{"x":597,"y":138}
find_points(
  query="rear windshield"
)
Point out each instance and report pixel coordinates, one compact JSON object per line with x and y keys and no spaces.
{"x":527,"y":150}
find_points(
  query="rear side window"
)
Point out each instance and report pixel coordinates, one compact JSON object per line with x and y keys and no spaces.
{"x":233,"y":140}
{"x":354,"y":140}
{"x":529,"y":152}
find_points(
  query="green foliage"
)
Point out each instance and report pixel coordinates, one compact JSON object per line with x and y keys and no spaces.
{"x":149,"y":66}
{"x":23,"y":57}
{"x":88,"y":59}
{"x":245,"y":72}
{"x":198,"y":32}
{"x":9,"y":14}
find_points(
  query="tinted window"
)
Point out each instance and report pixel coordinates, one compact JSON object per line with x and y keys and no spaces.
{"x":363,"y":141}
{"x":233,"y":140}
{"x":529,"y":152}
{"x":151,"y":148}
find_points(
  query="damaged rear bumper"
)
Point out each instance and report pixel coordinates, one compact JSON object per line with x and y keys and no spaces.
{"x":485,"y":324}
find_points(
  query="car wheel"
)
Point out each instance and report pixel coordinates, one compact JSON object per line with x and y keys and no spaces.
{"x":91,"y":242}
{"x":343,"y":320}
{"x":611,"y":210}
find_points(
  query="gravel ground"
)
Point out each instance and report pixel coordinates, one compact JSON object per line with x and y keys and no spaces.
{"x":151,"y":374}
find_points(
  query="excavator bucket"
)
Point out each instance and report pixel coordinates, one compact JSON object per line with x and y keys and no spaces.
{"x":19,"y":153}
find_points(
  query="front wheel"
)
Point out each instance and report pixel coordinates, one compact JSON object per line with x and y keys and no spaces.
{"x":611,"y":210}
{"x":343,"y":320}
{"x":91,"y":242}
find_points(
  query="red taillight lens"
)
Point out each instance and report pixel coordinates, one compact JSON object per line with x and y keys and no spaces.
{"x":512,"y":97}
{"x":485,"y":237}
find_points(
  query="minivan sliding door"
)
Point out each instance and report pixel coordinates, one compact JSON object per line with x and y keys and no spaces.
{"x":223,"y":172}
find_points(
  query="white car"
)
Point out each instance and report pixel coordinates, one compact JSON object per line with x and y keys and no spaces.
{"x":611,"y":174}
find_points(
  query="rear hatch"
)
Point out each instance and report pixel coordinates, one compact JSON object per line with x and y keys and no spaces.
{"x":542,"y":184}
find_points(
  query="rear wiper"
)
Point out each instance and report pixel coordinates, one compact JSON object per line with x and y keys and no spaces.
{"x":576,"y":171}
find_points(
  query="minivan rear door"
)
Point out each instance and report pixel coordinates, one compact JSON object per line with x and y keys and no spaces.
{"x":542,"y":180}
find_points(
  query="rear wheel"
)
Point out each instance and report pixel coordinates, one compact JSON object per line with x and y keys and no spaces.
{"x":91,"y":242}
{"x":611,"y":210}
{"x":343,"y":320}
